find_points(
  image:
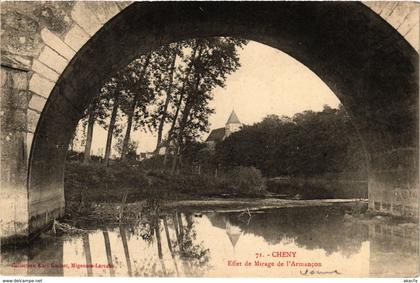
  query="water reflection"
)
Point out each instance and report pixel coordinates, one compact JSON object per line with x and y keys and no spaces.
{"x":187,"y":243}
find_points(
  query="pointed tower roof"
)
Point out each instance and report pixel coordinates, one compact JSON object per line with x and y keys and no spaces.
{"x":233,"y":118}
{"x":234,"y":232}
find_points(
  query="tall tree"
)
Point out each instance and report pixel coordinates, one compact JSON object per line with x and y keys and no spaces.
{"x":89,"y":135}
{"x":112,"y":91}
{"x":111,"y":127}
{"x":139,"y":93}
{"x":165,"y":83}
{"x":131,"y":148}
{"x":216,"y":59}
{"x":96,"y":110}
{"x":308,"y":144}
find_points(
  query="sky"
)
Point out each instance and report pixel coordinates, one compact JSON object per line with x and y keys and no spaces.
{"x":268,"y":82}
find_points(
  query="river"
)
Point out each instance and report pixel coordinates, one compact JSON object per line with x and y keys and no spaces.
{"x":278,"y":242}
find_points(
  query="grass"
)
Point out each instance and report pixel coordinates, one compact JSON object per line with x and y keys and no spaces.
{"x":98,"y":183}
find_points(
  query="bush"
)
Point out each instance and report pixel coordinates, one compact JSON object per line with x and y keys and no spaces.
{"x":245,"y":179}
{"x":97,"y":181}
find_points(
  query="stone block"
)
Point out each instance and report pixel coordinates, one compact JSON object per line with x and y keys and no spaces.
{"x":14,"y":99}
{"x":52,"y":59}
{"x":85,"y":18}
{"x":123,"y":4}
{"x":13,"y":120}
{"x":19,"y":80}
{"x":409,"y":11}
{"x":104,"y":11}
{"x":3,"y":77}
{"x":45,"y":71}
{"x":57,"y":44}
{"x":37,"y":103}
{"x":13,"y":157}
{"x":16,"y":61}
{"x":76,"y":37}
{"x":413,"y":37}
{"x":14,"y":204}
{"x":40,"y":85}
{"x":33,"y":118}
{"x":29,"y":139}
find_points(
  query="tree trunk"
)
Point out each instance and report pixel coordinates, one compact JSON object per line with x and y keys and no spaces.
{"x":175,"y":159}
{"x":159,"y":245}
{"x":128,"y":131}
{"x":181,"y":96}
{"x":111,"y":130}
{"x":126,"y":251}
{"x":158,"y":238}
{"x":168,"y":239}
{"x":185,"y":114}
{"x":86,"y":249}
{"x":165,"y":158}
{"x":171,"y":134}
{"x":89,"y":137}
{"x":131,"y":112}
{"x":176,"y":227}
{"x":181,"y":227}
{"x":165,"y":106}
{"x":108,"y":252}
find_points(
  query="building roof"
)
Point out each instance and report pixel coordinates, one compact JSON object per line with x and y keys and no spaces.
{"x":234,"y":232}
{"x":233,"y":118}
{"x":216,"y":135}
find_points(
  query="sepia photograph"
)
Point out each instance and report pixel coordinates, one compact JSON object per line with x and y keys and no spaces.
{"x":211,"y":139}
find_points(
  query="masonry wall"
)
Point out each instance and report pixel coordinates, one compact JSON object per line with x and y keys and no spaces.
{"x":39,"y":42}
{"x":14,"y":153}
{"x":394,"y":182}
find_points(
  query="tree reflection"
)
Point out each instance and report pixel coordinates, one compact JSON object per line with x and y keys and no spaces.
{"x":309,"y":227}
{"x":195,"y":257}
{"x":108,"y":252}
{"x":86,"y":249}
{"x":172,"y":238}
{"x":126,"y":251}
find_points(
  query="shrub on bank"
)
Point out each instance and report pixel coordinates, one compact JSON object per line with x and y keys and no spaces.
{"x":246,"y":179}
{"x":97,"y":182}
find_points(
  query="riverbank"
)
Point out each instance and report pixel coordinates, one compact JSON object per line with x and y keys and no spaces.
{"x":103,"y":191}
{"x":129,"y":182}
{"x":123,"y":182}
{"x":352,"y":210}
{"x":320,"y":187}
{"x":126,"y":212}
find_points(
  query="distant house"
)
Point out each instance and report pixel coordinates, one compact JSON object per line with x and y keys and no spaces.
{"x":144,"y":155}
{"x":217,"y":135}
{"x":162,"y":150}
{"x":165,"y":147}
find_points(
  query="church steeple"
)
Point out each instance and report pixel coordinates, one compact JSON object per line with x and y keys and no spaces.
{"x":234,"y":232}
{"x":232,"y":125}
{"x":233,"y":119}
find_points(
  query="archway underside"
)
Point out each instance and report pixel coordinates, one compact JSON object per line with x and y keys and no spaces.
{"x":367,"y":64}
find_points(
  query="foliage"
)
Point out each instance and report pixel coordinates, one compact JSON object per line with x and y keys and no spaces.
{"x":97,"y":182}
{"x":131,"y":151}
{"x":246,"y":179}
{"x":172,"y":84}
{"x":207,"y":66}
{"x":100,"y":182}
{"x":310,"y":143}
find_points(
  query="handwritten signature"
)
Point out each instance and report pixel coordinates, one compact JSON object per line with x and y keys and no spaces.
{"x":312,"y":272}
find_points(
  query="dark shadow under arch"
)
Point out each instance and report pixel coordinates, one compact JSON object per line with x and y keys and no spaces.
{"x":365,"y":62}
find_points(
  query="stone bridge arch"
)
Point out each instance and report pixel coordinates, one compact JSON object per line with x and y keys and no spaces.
{"x":368,"y":64}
